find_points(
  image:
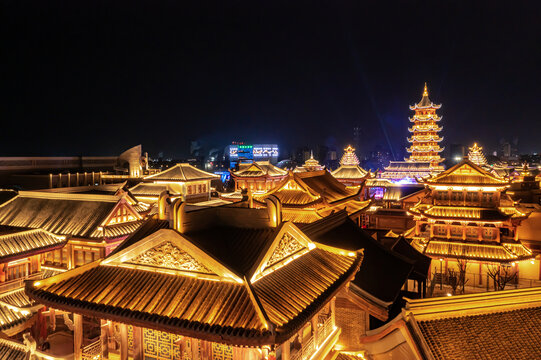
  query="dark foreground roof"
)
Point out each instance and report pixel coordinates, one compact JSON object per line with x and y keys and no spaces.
{"x":382,"y":273}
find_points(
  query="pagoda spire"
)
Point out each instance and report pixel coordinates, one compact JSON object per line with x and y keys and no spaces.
{"x":425,"y":91}
{"x":476,"y":156}
{"x":349,"y":158}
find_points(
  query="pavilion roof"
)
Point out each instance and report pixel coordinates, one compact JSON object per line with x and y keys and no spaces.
{"x":310,"y":188}
{"x":467,"y":173}
{"x":258,"y":169}
{"x":181,"y":172}
{"x":17,"y":245}
{"x":463,"y":213}
{"x":76,"y":215}
{"x":155,"y":189}
{"x":350,"y":172}
{"x":488,"y":251}
{"x":224,"y":284}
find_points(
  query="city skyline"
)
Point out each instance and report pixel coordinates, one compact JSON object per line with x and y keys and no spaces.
{"x":296,"y":76}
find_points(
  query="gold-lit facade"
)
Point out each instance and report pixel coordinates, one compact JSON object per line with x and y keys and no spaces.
{"x":468,"y":215}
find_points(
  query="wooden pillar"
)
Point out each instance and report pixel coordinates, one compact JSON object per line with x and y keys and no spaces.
{"x":285,"y":347}
{"x":69,"y":179}
{"x":50,"y":181}
{"x":123,"y":342}
{"x":93,"y":178}
{"x":59,"y":180}
{"x":137,"y":343}
{"x":52,"y":318}
{"x":104,"y":338}
{"x":333,"y":311}
{"x":77,"y":336}
{"x":314,"y":328}
{"x":448,"y":227}
{"x":77,"y":178}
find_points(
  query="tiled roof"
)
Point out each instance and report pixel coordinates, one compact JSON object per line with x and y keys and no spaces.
{"x":259,"y":168}
{"x":117,"y":230}
{"x":309,"y":189}
{"x":350,"y":172}
{"x":17,"y":298}
{"x":237,"y":248}
{"x":63,"y":214}
{"x":409,"y":166}
{"x":467,"y":173}
{"x":340,"y":231}
{"x":9,"y":350}
{"x":182,"y":172}
{"x":10,"y":317}
{"x":267,"y":309}
{"x":300,"y":215}
{"x":154,"y":190}
{"x":149,"y":226}
{"x":490,"y":251}
{"x":499,"y":335}
{"x":460,"y":213}
{"x":23,"y":243}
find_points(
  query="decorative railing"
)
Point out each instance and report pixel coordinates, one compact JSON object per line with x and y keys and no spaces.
{"x":310,"y":346}
{"x":18,"y":283}
{"x":92,"y":351}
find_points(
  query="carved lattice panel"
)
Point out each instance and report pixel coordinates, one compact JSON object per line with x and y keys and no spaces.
{"x":222,"y":352}
{"x":160,"y":345}
{"x":130,"y":337}
{"x":287,"y":246}
{"x":167,"y":255}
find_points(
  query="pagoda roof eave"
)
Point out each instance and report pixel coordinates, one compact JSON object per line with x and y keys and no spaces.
{"x":486,"y":247}
{"x":431,"y":106}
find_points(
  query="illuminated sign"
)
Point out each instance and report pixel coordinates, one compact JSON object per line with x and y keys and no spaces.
{"x":265,"y":151}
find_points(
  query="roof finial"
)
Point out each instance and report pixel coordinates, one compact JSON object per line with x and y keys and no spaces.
{"x":425,"y":91}
{"x":311,"y":154}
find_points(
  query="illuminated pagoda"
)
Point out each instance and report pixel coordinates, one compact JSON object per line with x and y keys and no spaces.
{"x":468,"y":215}
{"x":180,"y":180}
{"x":309,"y":196}
{"x":310,"y":164}
{"x":220,"y":283}
{"x":425,"y":144}
{"x":349,"y":172}
{"x":257,"y":176}
{"x":476,"y":156}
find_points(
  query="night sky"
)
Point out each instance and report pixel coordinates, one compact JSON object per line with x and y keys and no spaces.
{"x":97,"y":77}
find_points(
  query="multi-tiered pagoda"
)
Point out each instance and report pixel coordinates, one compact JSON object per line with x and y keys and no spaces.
{"x":476,"y":156}
{"x":350,"y":173}
{"x":425,"y":146}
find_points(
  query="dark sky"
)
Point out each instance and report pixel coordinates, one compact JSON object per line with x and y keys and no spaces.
{"x":96,"y":77}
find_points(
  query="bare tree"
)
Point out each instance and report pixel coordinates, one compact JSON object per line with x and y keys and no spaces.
{"x":462,"y":265}
{"x":501,"y":275}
